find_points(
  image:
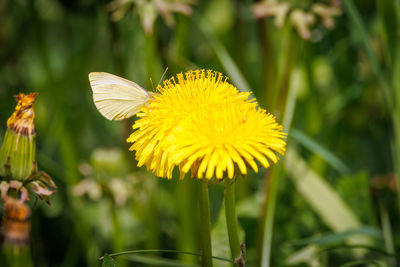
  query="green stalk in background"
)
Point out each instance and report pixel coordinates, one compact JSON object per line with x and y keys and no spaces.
{"x":185,"y":190}
{"x":390,"y":89}
{"x":389,"y":15}
{"x":151,"y":213}
{"x":286,"y":87}
{"x":287,"y":56}
{"x":269,"y":66}
{"x":181,"y":49}
{"x":390,"y":92}
{"x":268,"y":223}
{"x":205,"y":225}
{"x":231,"y":220}
{"x":150,"y":59}
{"x":387,"y":233}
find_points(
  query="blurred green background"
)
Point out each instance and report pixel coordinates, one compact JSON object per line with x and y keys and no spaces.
{"x":333,"y":198}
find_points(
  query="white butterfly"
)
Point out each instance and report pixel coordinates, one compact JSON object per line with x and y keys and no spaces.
{"x":117,"y":98}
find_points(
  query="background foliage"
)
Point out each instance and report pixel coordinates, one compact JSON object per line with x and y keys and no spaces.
{"x":332,"y":200}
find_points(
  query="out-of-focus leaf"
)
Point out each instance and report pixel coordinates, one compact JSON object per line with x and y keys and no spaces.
{"x":361,"y":30}
{"x":322,"y":197}
{"x":109,"y":262}
{"x":220,"y":21}
{"x":305,"y":255}
{"x":249,"y":207}
{"x":362,"y":263}
{"x":328,"y":156}
{"x":335,"y":238}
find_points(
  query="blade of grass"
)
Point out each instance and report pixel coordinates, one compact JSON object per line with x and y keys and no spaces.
{"x":226,"y":60}
{"x":387,"y":233}
{"x":392,"y":101}
{"x":387,"y":15}
{"x":340,"y":237}
{"x":276,"y":174}
{"x":361,"y":30}
{"x":313,"y":146}
{"x":361,"y":263}
{"x":357,"y":247}
{"x":322,"y":197}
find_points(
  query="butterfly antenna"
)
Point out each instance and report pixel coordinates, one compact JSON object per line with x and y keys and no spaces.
{"x":152,"y":86}
{"x":165,"y":71}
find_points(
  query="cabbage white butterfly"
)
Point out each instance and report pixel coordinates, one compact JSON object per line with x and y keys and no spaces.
{"x":117,"y":98}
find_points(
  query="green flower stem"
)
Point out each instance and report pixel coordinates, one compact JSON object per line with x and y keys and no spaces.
{"x":205,"y":226}
{"x":231,"y":220}
{"x":287,"y":102}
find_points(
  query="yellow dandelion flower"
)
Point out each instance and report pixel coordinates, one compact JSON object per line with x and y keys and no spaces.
{"x":201,"y":123}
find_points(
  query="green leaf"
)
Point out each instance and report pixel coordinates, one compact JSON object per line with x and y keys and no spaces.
{"x":250,"y":206}
{"x":336,"y":238}
{"x":325,"y":201}
{"x":109,"y":262}
{"x":324,"y":153}
{"x":362,"y":263}
{"x":308,"y":254}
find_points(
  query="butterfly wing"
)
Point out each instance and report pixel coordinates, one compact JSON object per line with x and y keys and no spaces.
{"x":116,"y":98}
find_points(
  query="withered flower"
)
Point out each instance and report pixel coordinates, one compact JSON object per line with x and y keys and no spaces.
{"x":148,"y":10}
{"x":16,"y":216}
{"x":18,"y":151}
{"x":302,"y":19}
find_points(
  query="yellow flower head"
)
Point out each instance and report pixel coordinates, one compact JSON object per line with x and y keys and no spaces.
{"x":203,"y":124}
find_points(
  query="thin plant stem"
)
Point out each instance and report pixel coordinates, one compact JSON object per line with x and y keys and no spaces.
{"x":276,"y":172}
{"x":387,"y":233}
{"x":231,"y":220}
{"x":205,"y":226}
{"x":272,"y":191}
